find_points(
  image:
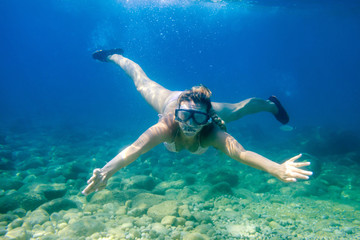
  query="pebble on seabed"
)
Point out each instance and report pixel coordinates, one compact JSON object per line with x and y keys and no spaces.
{"x":187,"y":209}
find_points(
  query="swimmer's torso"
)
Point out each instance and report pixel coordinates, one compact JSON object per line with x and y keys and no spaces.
{"x":177,"y":142}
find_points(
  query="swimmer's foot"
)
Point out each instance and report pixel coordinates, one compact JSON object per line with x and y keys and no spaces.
{"x":102,"y":55}
{"x":282,"y":115}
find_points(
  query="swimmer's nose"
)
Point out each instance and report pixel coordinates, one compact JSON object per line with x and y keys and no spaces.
{"x":190,"y":122}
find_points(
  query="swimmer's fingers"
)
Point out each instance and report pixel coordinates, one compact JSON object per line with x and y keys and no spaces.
{"x":96,"y":183}
{"x":293,"y":176}
{"x":94,"y":187}
{"x":292,"y":170}
{"x":293,"y":173}
{"x":293,"y":159}
{"x":300,"y":164}
{"x":302,"y":172}
{"x":96,"y":174}
{"x":295,"y":165}
{"x":89,"y":189}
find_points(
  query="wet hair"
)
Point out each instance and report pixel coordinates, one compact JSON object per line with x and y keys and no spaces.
{"x":201,"y":94}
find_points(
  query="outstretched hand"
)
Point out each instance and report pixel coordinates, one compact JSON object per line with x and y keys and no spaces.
{"x":96,"y":183}
{"x":290,"y":170}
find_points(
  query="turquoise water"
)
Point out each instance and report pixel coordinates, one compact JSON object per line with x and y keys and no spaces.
{"x":63,"y":114}
{"x":165,"y":195}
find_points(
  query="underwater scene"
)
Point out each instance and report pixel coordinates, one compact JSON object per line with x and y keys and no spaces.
{"x":68,"y":109}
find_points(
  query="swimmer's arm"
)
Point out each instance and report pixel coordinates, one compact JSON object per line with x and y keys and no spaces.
{"x":149,"y":139}
{"x":289,"y":171}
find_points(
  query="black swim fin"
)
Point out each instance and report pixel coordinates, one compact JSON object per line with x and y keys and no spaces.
{"x":282,"y":115}
{"x":102,"y":55}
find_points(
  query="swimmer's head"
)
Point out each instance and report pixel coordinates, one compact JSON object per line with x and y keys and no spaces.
{"x":195,"y":111}
{"x":198,"y":95}
{"x":197,"y":99}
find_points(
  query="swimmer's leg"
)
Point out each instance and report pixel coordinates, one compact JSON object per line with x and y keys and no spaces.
{"x":233,"y":111}
{"x":155,"y":94}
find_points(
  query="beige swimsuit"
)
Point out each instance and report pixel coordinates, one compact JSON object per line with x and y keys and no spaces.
{"x":172,"y":148}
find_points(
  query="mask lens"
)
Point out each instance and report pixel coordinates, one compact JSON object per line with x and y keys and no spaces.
{"x":183,"y":115}
{"x":200,"y":118}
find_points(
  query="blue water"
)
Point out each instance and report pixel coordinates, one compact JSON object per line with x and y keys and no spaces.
{"x":62,"y":113}
{"x":305,"y":52}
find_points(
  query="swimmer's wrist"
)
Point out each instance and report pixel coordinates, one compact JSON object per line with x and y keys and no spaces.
{"x":277,"y":171}
{"x":114,"y":165}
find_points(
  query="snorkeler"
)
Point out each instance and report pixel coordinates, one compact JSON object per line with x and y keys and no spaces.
{"x":189,"y":120}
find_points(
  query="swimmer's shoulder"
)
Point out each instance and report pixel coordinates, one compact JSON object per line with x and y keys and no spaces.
{"x":169,"y":121}
{"x":209,"y":134}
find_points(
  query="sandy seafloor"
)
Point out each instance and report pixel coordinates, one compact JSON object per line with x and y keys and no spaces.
{"x":165,"y":195}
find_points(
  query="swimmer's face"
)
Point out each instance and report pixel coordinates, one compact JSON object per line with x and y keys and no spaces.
{"x":191,"y":126}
